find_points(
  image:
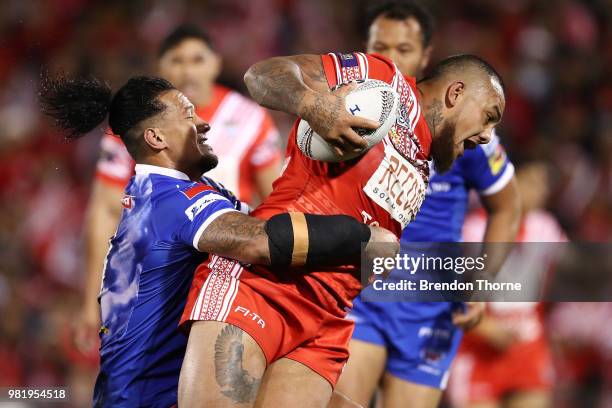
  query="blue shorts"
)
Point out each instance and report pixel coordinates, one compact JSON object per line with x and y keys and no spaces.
{"x":420,"y":338}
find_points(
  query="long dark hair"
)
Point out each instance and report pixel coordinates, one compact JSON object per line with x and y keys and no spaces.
{"x":77,"y":106}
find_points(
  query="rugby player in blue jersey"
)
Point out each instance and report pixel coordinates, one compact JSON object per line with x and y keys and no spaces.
{"x":172,"y":218}
{"x":407,"y":348}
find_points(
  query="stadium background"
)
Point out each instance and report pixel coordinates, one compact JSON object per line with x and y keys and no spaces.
{"x":555,"y":56}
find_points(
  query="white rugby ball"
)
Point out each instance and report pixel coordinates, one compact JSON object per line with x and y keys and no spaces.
{"x":371,"y":99}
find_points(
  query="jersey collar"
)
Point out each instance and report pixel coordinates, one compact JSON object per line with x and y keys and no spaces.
{"x":164,"y":171}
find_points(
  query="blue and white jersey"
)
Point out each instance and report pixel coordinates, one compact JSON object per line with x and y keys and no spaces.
{"x":485,"y":169}
{"x":147,"y":275}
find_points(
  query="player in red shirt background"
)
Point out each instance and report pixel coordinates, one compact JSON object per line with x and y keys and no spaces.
{"x":505,"y":361}
{"x":296,"y":340}
{"x":242,"y":134}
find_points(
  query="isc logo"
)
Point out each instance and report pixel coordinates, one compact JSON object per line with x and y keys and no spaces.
{"x":254,"y":316}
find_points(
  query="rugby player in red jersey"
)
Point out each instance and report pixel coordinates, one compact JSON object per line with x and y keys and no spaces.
{"x":260,"y":340}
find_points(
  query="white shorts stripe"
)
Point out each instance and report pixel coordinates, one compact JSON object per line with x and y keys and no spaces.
{"x":231,"y":302}
{"x":219,"y":290}
{"x":197,"y":309}
{"x":230,"y":295}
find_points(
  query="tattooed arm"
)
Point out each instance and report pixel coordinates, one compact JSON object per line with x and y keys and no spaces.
{"x":238,"y":236}
{"x":294,"y":239}
{"x":297,"y":85}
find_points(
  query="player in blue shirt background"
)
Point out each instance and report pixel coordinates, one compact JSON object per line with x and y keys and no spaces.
{"x":407,"y":348}
{"x":172,"y":218}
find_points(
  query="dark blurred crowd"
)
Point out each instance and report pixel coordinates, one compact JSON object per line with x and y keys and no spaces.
{"x":555,"y":57}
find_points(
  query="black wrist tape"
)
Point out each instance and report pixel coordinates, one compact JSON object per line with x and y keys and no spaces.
{"x":297,"y":239}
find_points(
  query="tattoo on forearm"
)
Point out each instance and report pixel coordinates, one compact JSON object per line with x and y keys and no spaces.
{"x":281,"y":83}
{"x":231,"y":233}
{"x":325,"y":112}
{"x":235,"y":382}
{"x":278,"y":86}
{"x":314,"y":72}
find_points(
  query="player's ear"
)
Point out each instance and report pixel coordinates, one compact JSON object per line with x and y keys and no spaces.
{"x":454,"y":92}
{"x":155,"y":139}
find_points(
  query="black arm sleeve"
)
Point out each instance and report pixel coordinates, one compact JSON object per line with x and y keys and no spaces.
{"x":326,"y":239}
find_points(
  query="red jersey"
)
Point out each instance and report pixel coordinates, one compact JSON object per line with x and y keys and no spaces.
{"x":385,"y":186}
{"x":242,"y":134}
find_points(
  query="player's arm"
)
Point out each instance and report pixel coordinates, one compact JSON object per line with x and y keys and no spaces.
{"x":504,"y":215}
{"x":298,"y":85}
{"x":291,"y":239}
{"x":489,"y":171}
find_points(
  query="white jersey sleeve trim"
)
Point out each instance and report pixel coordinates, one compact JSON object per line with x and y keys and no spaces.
{"x":205,"y":224}
{"x":501,"y":182}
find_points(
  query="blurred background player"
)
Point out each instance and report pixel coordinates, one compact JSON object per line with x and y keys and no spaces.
{"x":505,"y":361}
{"x":242,"y":134}
{"x":392,"y":340}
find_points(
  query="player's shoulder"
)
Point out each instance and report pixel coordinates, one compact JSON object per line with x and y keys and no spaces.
{"x":176,"y":198}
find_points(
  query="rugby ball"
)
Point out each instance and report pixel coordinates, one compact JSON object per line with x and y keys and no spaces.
{"x":372,"y":99}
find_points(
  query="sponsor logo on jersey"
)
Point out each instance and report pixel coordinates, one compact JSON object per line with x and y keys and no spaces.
{"x":396,"y":186}
{"x":201,"y":204}
{"x":251,"y":315}
{"x":199,"y":188}
{"x":497,"y":160}
{"x":347,"y":60}
{"x":438,"y":187}
{"x":127,"y":202}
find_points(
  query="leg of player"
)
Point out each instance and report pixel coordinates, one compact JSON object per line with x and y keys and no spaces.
{"x":287,"y":383}
{"x":529,"y":399}
{"x":230,"y":379}
{"x":361,"y":375}
{"x":398,"y":393}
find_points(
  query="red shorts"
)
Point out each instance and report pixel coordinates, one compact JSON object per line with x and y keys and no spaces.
{"x":479,"y":376}
{"x":279,"y":316}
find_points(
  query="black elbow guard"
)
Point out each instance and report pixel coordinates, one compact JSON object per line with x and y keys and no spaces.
{"x":297,"y":239}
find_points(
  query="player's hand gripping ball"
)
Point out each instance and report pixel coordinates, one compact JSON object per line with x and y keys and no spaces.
{"x":371,"y":99}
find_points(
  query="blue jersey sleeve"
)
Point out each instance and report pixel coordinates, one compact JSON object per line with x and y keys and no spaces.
{"x":188,"y":211}
{"x":487,"y":168}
